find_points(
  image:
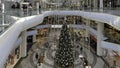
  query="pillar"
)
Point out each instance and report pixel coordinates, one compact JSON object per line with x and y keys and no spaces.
{"x":118,"y":2}
{"x":23,"y":46}
{"x":3,"y":16}
{"x":22,"y":13}
{"x":100,"y":28}
{"x":87,"y":3}
{"x":95,"y":5}
{"x":37,"y":7}
{"x":101,"y":5}
{"x":34,"y":38}
{"x":90,"y":3}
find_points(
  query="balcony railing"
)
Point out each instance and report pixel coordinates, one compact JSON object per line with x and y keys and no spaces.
{"x":27,"y":12}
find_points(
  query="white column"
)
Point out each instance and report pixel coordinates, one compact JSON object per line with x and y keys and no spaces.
{"x":23,"y":47}
{"x":34,"y":38}
{"x":100,"y":28}
{"x":37,"y":7}
{"x":90,"y":3}
{"x":101,"y":5}
{"x":118,"y":2}
{"x":3,"y":16}
{"x":21,"y":9}
{"x":95,"y":4}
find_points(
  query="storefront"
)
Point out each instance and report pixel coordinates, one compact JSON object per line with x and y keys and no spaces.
{"x":42,"y":34}
{"x":13,"y":58}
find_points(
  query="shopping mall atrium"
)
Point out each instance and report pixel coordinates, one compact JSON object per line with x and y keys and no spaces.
{"x":59,"y":33}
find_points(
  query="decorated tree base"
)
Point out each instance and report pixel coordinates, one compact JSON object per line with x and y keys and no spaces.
{"x":58,"y":66}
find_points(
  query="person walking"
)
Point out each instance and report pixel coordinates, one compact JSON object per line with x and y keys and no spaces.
{"x":39,"y":8}
{"x":36,"y":56}
{"x":85,"y":62}
{"x":39,"y":61}
{"x":81,"y":49}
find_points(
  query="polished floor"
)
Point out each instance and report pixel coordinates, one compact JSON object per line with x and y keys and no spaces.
{"x":30,"y":61}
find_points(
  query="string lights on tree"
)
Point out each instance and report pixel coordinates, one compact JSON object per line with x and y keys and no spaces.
{"x":64,"y":55}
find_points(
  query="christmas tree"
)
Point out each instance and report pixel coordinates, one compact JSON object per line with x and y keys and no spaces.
{"x":64,"y":54}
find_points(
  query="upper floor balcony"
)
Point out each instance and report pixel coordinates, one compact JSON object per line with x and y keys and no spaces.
{"x":41,"y":8}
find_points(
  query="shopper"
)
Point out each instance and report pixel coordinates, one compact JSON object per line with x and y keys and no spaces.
{"x":36,"y":56}
{"x":18,"y":53}
{"x":39,"y":61}
{"x":114,"y":64}
{"x":87,"y":40}
{"x":13,"y":6}
{"x":85,"y":62}
{"x":39,"y":8}
{"x":81,"y":49}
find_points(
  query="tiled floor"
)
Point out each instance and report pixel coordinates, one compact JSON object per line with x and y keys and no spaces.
{"x":30,"y":62}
